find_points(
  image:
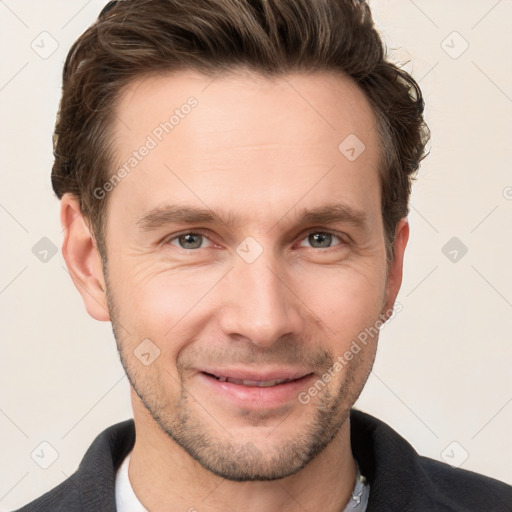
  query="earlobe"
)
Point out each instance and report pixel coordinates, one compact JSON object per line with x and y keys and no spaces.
{"x":82,"y":258}
{"x":394,"y":278}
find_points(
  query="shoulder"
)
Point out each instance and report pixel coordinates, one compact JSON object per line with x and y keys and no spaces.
{"x":461,"y":489}
{"x":92,"y":486}
{"x":401,"y":479}
{"x":63,"y":498}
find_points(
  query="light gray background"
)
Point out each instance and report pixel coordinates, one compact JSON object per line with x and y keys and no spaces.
{"x":442,"y":377}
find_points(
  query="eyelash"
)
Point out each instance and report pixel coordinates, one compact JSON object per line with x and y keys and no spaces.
{"x":316,"y":231}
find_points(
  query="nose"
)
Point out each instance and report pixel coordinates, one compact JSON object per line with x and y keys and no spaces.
{"x":259,"y":303}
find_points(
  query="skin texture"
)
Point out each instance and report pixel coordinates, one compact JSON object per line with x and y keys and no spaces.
{"x":261,"y":150}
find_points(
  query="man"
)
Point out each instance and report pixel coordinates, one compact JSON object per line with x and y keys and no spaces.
{"x":234,"y":181}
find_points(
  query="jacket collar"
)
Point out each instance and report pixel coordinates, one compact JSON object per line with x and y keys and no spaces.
{"x":97,"y":471}
{"x":391,"y":465}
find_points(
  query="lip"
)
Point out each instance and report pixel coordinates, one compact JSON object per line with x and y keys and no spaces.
{"x":254,"y":397}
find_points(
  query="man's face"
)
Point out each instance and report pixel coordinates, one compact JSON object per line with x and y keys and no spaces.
{"x":258,"y":295}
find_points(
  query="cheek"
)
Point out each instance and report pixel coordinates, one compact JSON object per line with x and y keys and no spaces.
{"x":156,"y":303}
{"x":345,"y":299}
{"x":150,"y":290}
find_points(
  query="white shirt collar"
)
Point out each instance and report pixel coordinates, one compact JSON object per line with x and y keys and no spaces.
{"x":126,"y":501}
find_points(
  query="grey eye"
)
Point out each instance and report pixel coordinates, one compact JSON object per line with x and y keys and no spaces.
{"x":321,"y":239}
{"x":189,"y":240}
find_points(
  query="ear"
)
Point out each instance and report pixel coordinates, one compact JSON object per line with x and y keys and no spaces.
{"x":83,"y":258}
{"x":394,"y":279}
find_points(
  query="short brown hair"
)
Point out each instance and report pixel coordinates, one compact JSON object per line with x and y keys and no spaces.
{"x":133,"y":38}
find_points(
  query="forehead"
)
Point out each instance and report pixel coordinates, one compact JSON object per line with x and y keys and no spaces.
{"x":263,"y":141}
{"x":329,"y":104}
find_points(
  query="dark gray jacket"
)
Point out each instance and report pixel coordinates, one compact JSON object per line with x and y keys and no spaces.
{"x":400,"y":479}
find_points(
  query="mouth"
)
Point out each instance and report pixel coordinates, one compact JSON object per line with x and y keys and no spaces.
{"x":248,"y":390}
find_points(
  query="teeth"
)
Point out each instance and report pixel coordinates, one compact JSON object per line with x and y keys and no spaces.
{"x":253,"y":383}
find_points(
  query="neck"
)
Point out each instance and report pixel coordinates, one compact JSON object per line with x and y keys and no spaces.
{"x":166,"y":477}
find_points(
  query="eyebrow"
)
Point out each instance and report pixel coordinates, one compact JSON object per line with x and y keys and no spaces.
{"x":175,"y":214}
